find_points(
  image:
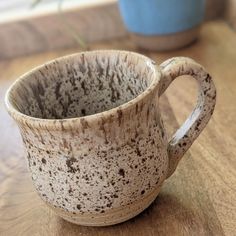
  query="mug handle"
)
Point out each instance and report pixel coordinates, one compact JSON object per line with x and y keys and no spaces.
{"x":195,"y":123}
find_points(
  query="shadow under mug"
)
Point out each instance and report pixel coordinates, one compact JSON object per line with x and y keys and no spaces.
{"x":96,"y":146}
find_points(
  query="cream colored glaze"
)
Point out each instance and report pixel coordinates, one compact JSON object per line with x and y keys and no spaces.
{"x":95,"y":141}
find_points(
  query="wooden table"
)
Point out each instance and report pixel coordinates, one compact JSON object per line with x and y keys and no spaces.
{"x":199,"y":199}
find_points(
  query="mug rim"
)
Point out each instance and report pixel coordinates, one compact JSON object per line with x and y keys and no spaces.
{"x":63,"y":123}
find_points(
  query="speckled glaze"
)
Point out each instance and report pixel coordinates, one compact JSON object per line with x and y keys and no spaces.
{"x":96,"y":146}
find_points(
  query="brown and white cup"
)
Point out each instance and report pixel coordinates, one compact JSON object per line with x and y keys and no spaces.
{"x":91,"y":124}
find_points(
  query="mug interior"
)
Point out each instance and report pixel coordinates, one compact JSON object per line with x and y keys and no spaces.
{"x":82,"y":84}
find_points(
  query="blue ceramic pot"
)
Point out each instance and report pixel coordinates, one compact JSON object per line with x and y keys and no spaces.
{"x":161,"y":17}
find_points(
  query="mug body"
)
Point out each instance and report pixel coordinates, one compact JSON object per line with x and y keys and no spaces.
{"x":96,"y":146}
{"x":162,"y":24}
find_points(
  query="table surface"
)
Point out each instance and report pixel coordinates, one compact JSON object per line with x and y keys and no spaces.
{"x":199,"y":199}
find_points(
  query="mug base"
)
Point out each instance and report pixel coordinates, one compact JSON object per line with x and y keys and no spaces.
{"x":166,"y":42}
{"x":111,"y":217}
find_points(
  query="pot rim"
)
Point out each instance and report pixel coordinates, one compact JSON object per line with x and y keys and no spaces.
{"x":65,"y":123}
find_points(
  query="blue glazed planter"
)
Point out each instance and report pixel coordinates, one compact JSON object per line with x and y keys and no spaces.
{"x":163,"y":18}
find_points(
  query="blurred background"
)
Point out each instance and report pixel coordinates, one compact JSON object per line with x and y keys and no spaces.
{"x":31,"y":26}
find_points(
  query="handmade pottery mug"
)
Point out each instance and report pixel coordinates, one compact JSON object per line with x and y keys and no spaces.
{"x":96,"y":146}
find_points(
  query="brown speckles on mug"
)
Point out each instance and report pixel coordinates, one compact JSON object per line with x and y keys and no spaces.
{"x":70,"y":164}
{"x":97,"y":148}
{"x":122,"y":172}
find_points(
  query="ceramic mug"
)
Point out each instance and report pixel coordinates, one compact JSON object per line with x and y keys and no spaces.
{"x":96,"y":146}
{"x":162,"y":25}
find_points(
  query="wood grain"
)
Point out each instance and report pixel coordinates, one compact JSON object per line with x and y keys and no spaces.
{"x":199,"y":199}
